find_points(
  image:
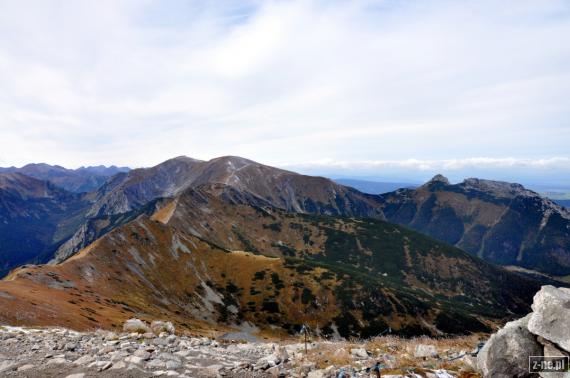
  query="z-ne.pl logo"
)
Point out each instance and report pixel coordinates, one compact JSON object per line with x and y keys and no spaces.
{"x":547,"y":364}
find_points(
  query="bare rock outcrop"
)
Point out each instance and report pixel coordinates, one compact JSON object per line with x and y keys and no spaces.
{"x":544,"y":332}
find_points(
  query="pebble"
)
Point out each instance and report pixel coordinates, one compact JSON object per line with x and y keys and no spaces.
{"x":166,"y":355}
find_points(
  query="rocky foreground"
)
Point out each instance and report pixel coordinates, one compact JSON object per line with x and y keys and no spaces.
{"x":55,"y":352}
{"x":543,"y":332}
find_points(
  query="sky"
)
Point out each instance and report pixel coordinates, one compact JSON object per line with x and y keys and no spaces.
{"x":393,"y":90}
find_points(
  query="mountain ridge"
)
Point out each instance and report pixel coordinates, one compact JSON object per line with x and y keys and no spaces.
{"x":83,"y":179}
{"x":502,"y":222}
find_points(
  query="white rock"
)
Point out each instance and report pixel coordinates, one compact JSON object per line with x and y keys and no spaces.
{"x":6,"y":364}
{"x":142,"y":354}
{"x":26,"y":367}
{"x":156,"y":364}
{"x":105,"y":366}
{"x":83,"y":360}
{"x":550,"y":318}
{"x":118,"y":365}
{"x":57,"y":361}
{"x":182,"y":353}
{"x":321,"y":373}
{"x":134,"y":360}
{"x":173,"y":365}
{"x":76,"y":375}
{"x":136,"y":325}
{"x":359,"y":353}
{"x":425,"y":350}
{"x":159,"y":326}
{"x":442,"y":374}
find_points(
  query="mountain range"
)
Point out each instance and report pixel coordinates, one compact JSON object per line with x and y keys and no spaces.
{"x":231,"y":242}
{"x":374,"y":187}
{"x":83,"y":179}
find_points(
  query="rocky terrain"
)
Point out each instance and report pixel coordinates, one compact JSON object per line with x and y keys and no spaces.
{"x":503,"y":223}
{"x":144,"y":350}
{"x":543,"y":332}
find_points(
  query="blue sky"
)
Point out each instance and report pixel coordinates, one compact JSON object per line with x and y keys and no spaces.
{"x":384,"y":89}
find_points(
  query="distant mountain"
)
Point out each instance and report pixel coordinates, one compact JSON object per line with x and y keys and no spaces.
{"x":35,"y":217}
{"x":374,"y":187}
{"x":127,"y":194}
{"x":283,"y":189}
{"x":500,"y":222}
{"x":79,"y":180}
{"x":343,"y":277}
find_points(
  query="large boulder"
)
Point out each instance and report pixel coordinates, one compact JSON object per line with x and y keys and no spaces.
{"x":506,"y":353}
{"x":551,"y":315}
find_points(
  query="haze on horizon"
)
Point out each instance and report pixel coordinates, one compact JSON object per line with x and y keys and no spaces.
{"x":396,"y":90}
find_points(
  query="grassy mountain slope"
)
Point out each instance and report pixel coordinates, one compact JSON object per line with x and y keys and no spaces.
{"x":342,"y":276}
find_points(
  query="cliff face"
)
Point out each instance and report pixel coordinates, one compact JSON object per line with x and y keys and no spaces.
{"x":35,"y":216}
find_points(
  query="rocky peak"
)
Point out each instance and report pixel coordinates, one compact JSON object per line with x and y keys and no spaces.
{"x":498,"y":188}
{"x":438,"y":179}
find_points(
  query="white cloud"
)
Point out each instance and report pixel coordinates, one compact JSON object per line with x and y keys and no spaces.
{"x":376,"y":84}
{"x":429,"y":165}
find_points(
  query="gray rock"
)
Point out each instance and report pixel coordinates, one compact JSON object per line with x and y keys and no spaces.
{"x":84,"y":360}
{"x":506,"y":353}
{"x":57,"y":361}
{"x":160,"y":342}
{"x":156,"y":364}
{"x":71,"y":346}
{"x":134,"y":360}
{"x":550,"y":318}
{"x":359,"y":353}
{"x":169,"y":357}
{"x":26,"y":367}
{"x":142,"y":354}
{"x":76,"y":375}
{"x":425,"y":350}
{"x":321,"y":373}
{"x":104,"y":365}
{"x":173,"y":365}
{"x":274,"y":371}
{"x":6,"y":365}
{"x":118,"y":365}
